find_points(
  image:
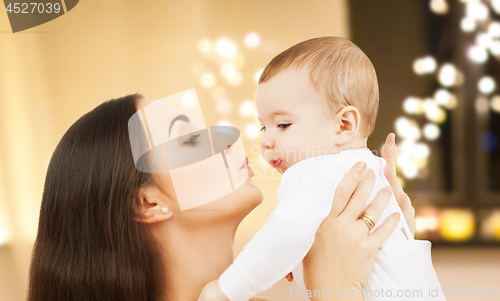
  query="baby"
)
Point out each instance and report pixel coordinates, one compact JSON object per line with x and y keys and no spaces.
{"x":317,"y":104}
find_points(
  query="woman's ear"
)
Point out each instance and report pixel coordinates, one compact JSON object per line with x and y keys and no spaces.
{"x":153,"y":206}
{"x":347,"y":124}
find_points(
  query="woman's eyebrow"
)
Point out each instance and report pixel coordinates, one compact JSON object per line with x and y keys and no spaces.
{"x":180,"y":117}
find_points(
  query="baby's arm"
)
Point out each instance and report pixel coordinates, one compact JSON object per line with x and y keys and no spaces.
{"x":282,"y":242}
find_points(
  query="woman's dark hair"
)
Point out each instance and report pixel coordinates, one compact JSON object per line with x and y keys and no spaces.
{"x":88,"y":246}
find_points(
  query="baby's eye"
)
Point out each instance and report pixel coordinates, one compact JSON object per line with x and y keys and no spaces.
{"x":193,"y":140}
{"x":263,"y":128}
{"x":283,"y":126}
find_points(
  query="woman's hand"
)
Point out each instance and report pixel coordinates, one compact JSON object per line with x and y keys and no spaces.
{"x":343,"y":253}
{"x":389,"y":154}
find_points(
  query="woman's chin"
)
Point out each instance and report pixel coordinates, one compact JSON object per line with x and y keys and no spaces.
{"x":253,"y":191}
{"x":245,"y":199}
{"x":236,"y":204}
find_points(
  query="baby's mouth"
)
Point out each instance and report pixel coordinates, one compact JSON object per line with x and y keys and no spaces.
{"x":276,"y":163}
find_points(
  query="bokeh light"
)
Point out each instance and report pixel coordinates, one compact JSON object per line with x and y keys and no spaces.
{"x":486,"y":85}
{"x":4,"y":237}
{"x":431,"y":131}
{"x":252,"y":131}
{"x":484,"y":40}
{"x":224,"y":106}
{"x":481,"y":105}
{"x":252,"y":40}
{"x":478,"y":54}
{"x":238,"y":61}
{"x":224,"y":122}
{"x":421,"y":151}
{"x":428,"y":221}
{"x":446,"y":99}
{"x":208,"y":80}
{"x":447,"y":75}
{"x":496,"y":5}
{"x":226,"y":48}
{"x":433,"y":112}
{"x":490,"y":227}
{"x":189,"y":99}
{"x":468,"y":24}
{"x":457,"y":224}
{"x":439,"y":7}
{"x":231,"y":74}
{"x":407,"y":129}
{"x":494,"y":29}
{"x":424,"y":65}
{"x":409,"y":169}
{"x":495,"y":48}
{"x":495,"y":103}
{"x":412,"y":105}
{"x":477,"y":10}
{"x":247,"y":108}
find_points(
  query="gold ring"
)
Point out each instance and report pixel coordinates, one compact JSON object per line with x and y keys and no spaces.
{"x":368,"y":221}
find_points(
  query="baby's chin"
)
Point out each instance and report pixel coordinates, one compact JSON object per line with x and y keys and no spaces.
{"x":283,"y":167}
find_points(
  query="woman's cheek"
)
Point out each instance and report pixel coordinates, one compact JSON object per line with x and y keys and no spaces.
{"x":201,"y":182}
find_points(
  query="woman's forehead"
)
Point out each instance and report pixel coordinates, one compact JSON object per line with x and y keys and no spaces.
{"x":166,"y":108}
{"x":156,"y":115}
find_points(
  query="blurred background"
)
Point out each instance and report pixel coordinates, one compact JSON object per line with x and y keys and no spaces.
{"x":438,"y":68}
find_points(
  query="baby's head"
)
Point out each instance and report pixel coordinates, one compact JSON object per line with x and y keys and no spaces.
{"x":316,"y":98}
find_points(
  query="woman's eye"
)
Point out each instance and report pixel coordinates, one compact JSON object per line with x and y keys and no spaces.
{"x":283,"y":126}
{"x":263,"y":128}
{"x":193,"y":140}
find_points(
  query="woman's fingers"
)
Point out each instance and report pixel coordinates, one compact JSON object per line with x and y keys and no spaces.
{"x":377,"y":206}
{"x":384,"y":231}
{"x":360,"y":196}
{"x":408,"y":212}
{"x":346,"y":188}
{"x":389,"y":154}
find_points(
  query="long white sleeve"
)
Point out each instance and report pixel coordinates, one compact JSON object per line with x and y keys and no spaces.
{"x":305,"y":198}
{"x":283,"y":241}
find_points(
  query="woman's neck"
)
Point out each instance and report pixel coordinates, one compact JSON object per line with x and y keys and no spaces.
{"x":193,"y":257}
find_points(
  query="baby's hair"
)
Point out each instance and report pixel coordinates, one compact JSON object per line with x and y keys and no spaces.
{"x":338,"y":70}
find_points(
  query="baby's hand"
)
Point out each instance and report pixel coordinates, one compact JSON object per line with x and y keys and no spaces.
{"x":212,"y":292}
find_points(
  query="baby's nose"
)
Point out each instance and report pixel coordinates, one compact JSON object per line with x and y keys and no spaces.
{"x":266,"y":143}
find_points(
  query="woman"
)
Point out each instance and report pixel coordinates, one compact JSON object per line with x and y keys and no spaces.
{"x":108,"y":231}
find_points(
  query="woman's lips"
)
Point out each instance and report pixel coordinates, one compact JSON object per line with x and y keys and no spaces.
{"x":246,"y":166}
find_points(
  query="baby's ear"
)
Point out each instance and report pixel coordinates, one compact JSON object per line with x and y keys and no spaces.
{"x":348,"y":122}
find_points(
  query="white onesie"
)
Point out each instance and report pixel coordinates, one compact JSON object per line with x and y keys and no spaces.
{"x":403,"y":266}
